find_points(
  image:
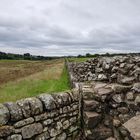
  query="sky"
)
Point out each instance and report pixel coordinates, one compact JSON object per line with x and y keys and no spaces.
{"x":69,"y":27}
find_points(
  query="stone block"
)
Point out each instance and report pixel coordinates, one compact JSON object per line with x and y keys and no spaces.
{"x":15,"y":137}
{"x":133,"y":126}
{"x":92,"y":119}
{"x":43,"y":136}
{"x":136,"y":87}
{"x":41,"y":117}
{"x":48,"y":101}
{"x":15,"y":111}
{"x":25,"y":107}
{"x":90,"y":105}
{"x":6,"y":130}
{"x":62,"y":136}
{"x":4,"y":115}
{"x":31,"y":130}
{"x":36,"y":106}
{"x":24,"y":122}
{"x":66,"y":124}
{"x":47,"y":122}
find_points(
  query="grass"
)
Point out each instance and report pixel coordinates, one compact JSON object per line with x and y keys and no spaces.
{"x":78,"y":59}
{"x":53,"y":78}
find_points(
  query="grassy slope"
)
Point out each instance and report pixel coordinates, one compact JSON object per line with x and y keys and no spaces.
{"x":52,"y":79}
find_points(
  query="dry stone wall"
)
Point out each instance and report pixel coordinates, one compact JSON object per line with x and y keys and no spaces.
{"x":104,"y":104}
{"x":111,"y":96}
{"x":45,"y":117}
{"x":118,"y":69}
{"x":108,"y":109}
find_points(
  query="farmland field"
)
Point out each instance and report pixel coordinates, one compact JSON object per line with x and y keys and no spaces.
{"x":21,"y":78}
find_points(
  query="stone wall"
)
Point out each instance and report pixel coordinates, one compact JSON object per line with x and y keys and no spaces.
{"x":104,"y":104}
{"x":45,"y":117}
{"x":111,"y":97}
{"x":108,"y":109}
{"x":120,"y":69}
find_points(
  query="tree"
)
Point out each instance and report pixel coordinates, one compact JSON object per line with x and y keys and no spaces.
{"x":88,"y":55}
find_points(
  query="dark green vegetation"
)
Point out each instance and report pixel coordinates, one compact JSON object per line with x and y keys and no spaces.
{"x":26,"y":56}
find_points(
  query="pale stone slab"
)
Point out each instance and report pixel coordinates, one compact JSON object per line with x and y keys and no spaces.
{"x":133,"y":126}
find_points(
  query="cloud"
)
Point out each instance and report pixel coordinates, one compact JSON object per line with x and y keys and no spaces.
{"x":60,"y":27}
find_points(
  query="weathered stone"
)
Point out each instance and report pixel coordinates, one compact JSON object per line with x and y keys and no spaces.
{"x":15,"y":111}
{"x":62,"y":136}
{"x":137,"y":99}
{"x":101,"y":133}
{"x":75,"y":107}
{"x":117,"y":98}
{"x":65,"y":109}
{"x":104,"y":91}
{"x":4,"y":115}
{"x":73,"y":128}
{"x":41,"y":117}
{"x":99,"y":85}
{"x":133,"y":126}
{"x":116,"y":123}
{"x":127,"y":80}
{"x":53,"y":113}
{"x":123,"y":131}
{"x":120,"y":88}
{"x":30,"y":106}
{"x":136,"y":87}
{"x":48,"y":101}
{"x":59,"y":125}
{"x":114,"y":69}
{"x":52,"y":138}
{"x":113,"y":76}
{"x":110,"y":138}
{"x":35,"y":105}
{"x":75,"y":94}
{"x":6,"y":131}
{"x":17,"y":131}
{"x":76,"y":112}
{"x":47,"y":122}
{"x":66,"y":98}
{"x":87,"y":92}
{"x":102,"y":77}
{"x":54,"y":132}
{"x":122,"y":65}
{"x":24,"y":122}
{"x":90,"y":105}
{"x":58,"y":100}
{"x":66,"y":124}
{"x":123,"y":110}
{"x":43,"y":136}
{"x":129,"y":96}
{"x":31,"y":130}
{"x":98,"y":70}
{"x":92,"y":119}
{"x":15,"y":137}
{"x":25,"y":107}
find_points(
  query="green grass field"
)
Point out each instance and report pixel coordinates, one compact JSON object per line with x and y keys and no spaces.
{"x":52,"y":77}
{"x":78,"y":59}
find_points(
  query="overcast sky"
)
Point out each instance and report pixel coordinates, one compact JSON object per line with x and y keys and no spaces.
{"x":69,"y":27}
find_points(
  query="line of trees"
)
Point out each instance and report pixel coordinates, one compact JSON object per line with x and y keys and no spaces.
{"x":26,"y":56}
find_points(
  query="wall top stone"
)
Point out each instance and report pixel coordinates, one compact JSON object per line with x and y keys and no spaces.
{"x":28,"y":107}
